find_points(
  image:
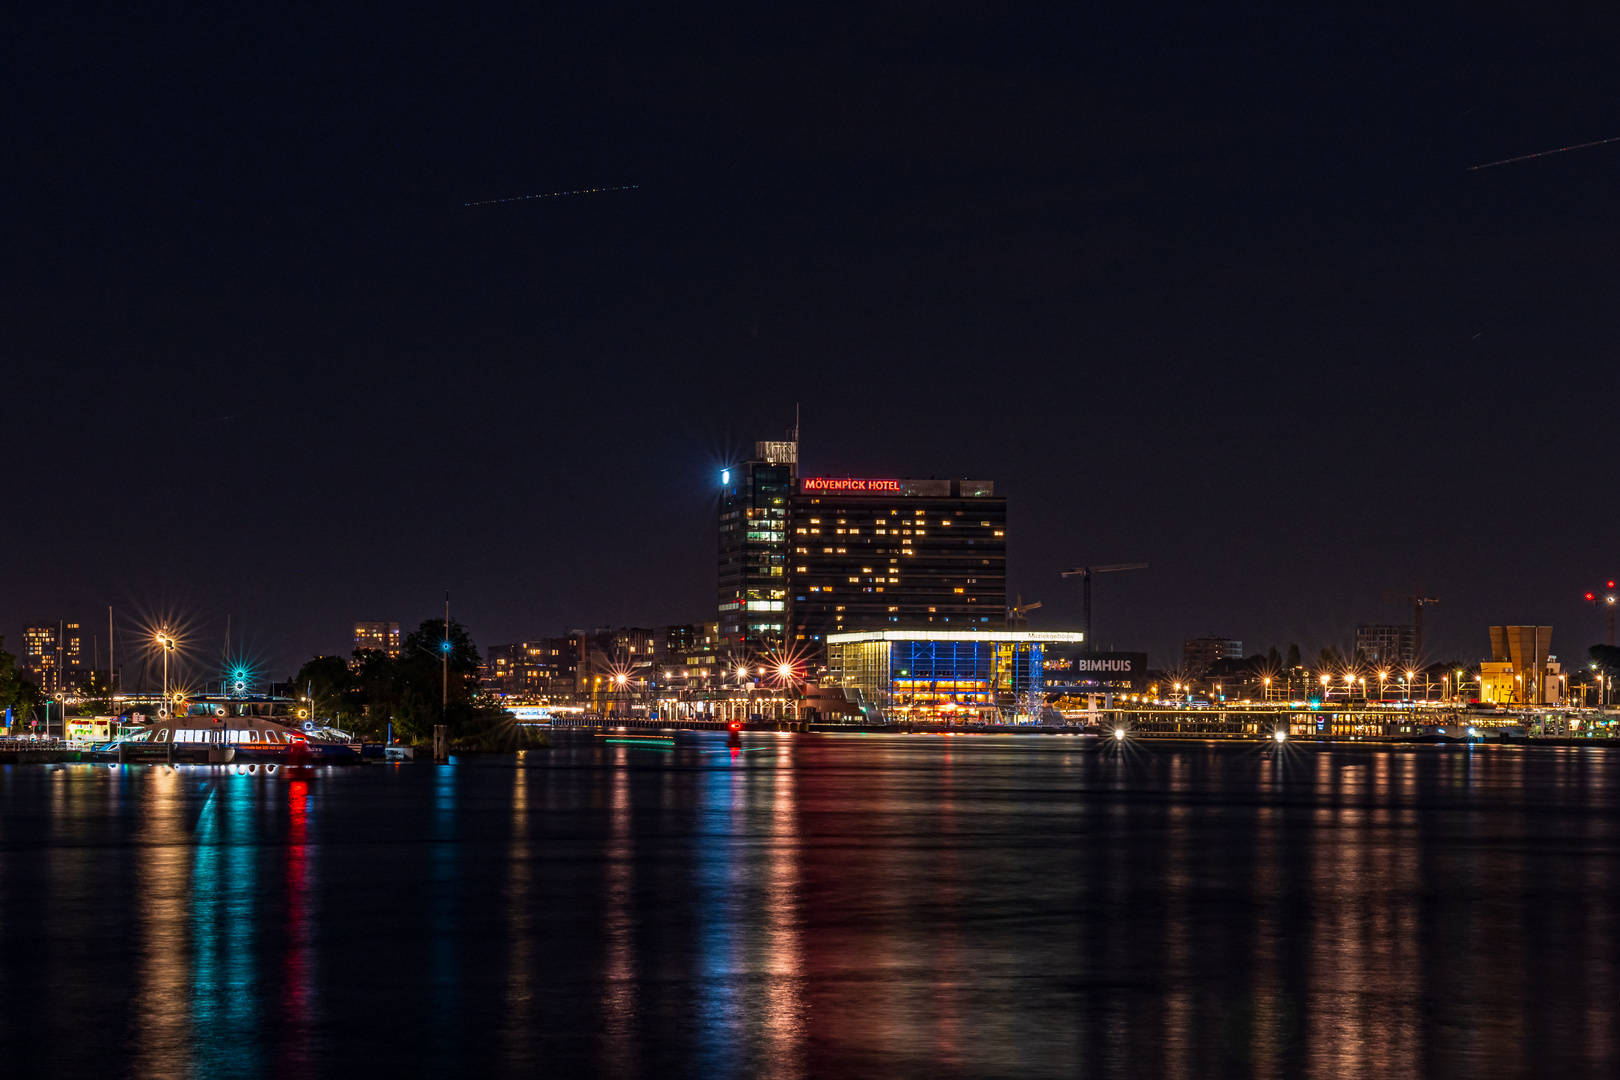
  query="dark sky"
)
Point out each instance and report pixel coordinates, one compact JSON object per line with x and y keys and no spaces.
{"x":1205,"y":285}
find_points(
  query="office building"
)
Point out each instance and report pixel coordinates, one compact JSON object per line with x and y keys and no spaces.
{"x":381,"y":636}
{"x":1199,"y":654}
{"x":754,"y":500}
{"x":873,"y":554}
{"x":967,"y":674}
{"x":1391,"y":645}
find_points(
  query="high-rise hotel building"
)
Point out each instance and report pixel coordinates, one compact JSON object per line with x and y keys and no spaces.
{"x":875,"y":554}
{"x":754,"y":498}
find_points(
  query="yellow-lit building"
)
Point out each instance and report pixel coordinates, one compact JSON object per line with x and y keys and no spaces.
{"x":1521,"y":671}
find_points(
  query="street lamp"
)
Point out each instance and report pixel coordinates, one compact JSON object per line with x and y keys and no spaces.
{"x":1409,"y":676}
{"x":165,"y":641}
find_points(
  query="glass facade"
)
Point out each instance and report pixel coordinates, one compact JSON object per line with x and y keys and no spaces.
{"x":754,"y":502}
{"x":923,"y":672}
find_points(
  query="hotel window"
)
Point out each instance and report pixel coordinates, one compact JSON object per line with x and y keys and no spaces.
{"x":999,"y":533}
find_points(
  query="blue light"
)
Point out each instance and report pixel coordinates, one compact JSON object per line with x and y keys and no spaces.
{"x":725,"y":476}
{"x":445,"y":646}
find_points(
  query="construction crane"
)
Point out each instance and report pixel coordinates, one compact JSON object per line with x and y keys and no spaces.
{"x":1018,"y":614}
{"x":1084,"y":574}
{"x":1606,"y":602}
{"x":1417,"y":599}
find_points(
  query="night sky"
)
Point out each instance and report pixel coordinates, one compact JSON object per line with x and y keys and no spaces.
{"x":1203,"y":285}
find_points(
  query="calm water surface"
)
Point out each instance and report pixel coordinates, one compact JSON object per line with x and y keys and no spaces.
{"x":820,"y":906}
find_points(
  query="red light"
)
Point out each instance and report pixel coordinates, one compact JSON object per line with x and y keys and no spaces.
{"x":735,"y":725}
{"x":1611,"y":584}
{"x":1589,"y":596}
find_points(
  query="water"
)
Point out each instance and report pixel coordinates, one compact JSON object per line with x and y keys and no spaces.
{"x":820,"y":906}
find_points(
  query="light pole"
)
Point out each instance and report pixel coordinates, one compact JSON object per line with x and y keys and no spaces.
{"x":1409,"y":676}
{"x":165,"y":641}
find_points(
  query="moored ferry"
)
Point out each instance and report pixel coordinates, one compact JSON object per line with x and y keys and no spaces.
{"x":222,"y":729}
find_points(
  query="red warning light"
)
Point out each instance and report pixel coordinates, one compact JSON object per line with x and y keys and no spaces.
{"x":1589,"y":596}
{"x":735,"y":725}
{"x":1611,"y":584}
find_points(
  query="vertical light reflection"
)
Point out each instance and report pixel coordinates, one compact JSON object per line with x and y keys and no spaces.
{"x":298,"y":967}
{"x":162,"y":1018}
{"x":223,"y":998}
{"x":520,"y":928}
{"x":1599,"y":991}
{"x":722,"y":918}
{"x":1180,"y":1043}
{"x":444,"y":927}
{"x":618,"y":985}
{"x":783,"y":1006}
{"x":1361,"y":990}
{"x":1271,"y":1028}
{"x":948,"y":959}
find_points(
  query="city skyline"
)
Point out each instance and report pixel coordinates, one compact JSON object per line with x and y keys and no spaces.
{"x":1268,"y":334}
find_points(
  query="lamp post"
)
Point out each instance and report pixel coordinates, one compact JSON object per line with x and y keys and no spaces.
{"x":1409,"y":676}
{"x":165,"y":641}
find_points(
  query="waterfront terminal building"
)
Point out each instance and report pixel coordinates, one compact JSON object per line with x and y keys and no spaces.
{"x":968,"y":674}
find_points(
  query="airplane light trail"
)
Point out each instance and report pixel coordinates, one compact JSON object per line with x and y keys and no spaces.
{"x":553,"y":195}
{"x":1543,"y":153}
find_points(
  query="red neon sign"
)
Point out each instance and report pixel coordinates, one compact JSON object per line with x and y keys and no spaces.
{"x":845,"y":483}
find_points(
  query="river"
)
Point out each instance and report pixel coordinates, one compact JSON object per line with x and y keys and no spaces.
{"x":808,"y":905}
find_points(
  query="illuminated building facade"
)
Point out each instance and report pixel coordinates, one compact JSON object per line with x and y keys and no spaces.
{"x":40,"y":656}
{"x":542,"y":669}
{"x":869,"y":554}
{"x":972,"y":674}
{"x":1521,"y":671}
{"x":754,"y":498}
{"x":688,"y":656}
{"x":382,"y":636}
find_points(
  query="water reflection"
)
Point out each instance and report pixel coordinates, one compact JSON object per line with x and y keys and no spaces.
{"x":162,"y":1021}
{"x":299,"y":968}
{"x":813,"y":906}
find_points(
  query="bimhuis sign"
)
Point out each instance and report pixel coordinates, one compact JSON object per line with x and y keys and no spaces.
{"x":1104,"y":670}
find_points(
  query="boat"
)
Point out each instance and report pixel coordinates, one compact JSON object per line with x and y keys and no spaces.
{"x":219,"y":730}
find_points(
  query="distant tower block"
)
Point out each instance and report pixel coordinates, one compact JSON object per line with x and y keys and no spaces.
{"x":382,"y":636}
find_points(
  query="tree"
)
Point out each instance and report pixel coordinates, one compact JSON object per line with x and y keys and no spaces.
{"x":1606,"y":657}
{"x":1293,"y":660}
{"x":329,"y":685}
{"x":409,"y":691}
{"x":17,"y":693}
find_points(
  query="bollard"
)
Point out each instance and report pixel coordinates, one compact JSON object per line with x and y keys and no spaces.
{"x":441,"y":744}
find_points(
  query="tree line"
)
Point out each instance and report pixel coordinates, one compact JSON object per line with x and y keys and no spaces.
{"x":433,"y":680}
